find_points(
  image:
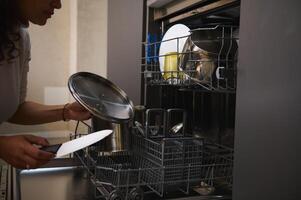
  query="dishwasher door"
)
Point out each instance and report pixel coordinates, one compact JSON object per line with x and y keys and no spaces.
{"x":61,"y":179}
{"x":66,"y":183}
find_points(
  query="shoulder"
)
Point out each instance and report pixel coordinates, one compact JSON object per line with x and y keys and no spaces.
{"x":22,"y":45}
{"x":25,"y":38}
{"x":25,"y":46}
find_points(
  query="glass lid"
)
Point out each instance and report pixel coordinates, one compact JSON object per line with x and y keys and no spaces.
{"x":101,"y":97}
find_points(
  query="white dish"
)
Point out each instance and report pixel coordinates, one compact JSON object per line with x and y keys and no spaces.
{"x":76,"y":144}
{"x":82,"y":142}
{"x":175,"y":45}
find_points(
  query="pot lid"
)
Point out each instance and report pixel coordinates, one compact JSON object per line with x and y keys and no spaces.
{"x":101,"y":97}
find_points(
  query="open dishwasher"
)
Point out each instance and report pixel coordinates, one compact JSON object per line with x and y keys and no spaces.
{"x":196,"y":160}
{"x":181,"y":146}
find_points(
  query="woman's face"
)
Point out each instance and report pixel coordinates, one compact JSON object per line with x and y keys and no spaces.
{"x":38,"y":11}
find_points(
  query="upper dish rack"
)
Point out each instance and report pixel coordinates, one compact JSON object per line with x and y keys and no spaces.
{"x":207,"y":57}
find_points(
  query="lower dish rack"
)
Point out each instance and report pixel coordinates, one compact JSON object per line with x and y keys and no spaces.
{"x":131,"y":175}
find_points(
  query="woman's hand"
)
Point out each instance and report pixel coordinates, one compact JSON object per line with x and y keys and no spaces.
{"x":75,"y":111}
{"x":20,"y":152}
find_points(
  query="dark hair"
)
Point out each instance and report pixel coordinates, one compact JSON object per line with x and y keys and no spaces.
{"x":9,"y":33}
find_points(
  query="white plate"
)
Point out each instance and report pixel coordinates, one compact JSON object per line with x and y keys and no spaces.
{"x":82,"y":142}
{"x":76,"y":144}
{"x":176,"y":31}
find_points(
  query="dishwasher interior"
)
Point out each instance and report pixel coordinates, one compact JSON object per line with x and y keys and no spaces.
{"x":181,"y":141}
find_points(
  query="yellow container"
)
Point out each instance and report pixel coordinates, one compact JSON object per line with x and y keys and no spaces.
{"x":171,"y":70}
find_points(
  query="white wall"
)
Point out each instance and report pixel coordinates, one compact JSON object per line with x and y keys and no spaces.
{"x":92,"y":36}
{"x":124,"y":45}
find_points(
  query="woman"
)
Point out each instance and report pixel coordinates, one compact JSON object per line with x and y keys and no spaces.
{"x":22,"y":151}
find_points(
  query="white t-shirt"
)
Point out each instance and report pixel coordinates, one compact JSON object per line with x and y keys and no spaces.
{"x":13,"y":78}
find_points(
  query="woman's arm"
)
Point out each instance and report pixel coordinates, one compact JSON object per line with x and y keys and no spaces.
{"x":30,"y":113}
{"x":20,"y":151}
